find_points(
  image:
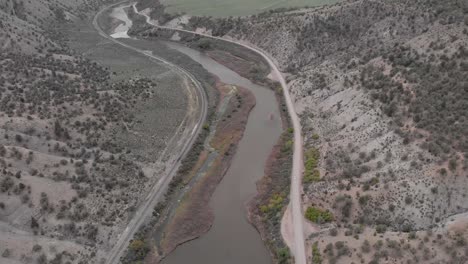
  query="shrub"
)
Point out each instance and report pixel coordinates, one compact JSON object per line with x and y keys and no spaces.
{"x":204,"y":44}
{"x":408,"y":200}
{"x":2,"y":151}
{"x":345,"y":204}
{"x":443,"y":171}
{"x":18,"y":138}
{"x":319,"y":216}
{"x":363,"y":200}
{"x":6,"y":184}
{"x":453,"y":165}
{"x":311,"y":174}
{"x":288,"y":146}
{"x":139,"y":249}
{"x":36,"y":248}
{"x":316,"y":256}
{"x":381,"y":229}
{"x":366,"y":248}
{"x":333,"y":232}
{"x":283,"y":255}
{"x":275,"y":204}
{"x":42,"y":259}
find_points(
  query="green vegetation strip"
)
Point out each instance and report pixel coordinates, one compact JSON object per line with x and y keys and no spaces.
{"x":316,"y":256}
{"x":311,"y":173}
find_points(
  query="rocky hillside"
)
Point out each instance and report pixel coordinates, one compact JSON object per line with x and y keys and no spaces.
{"x":78,"y":146}
{"x":28,"y":26}
{"x":381,"y":87}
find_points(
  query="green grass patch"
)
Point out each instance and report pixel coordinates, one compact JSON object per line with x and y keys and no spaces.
{"x":318,"y":215}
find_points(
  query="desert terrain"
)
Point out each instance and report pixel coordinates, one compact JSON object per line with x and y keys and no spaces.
{"x":83,"y":142}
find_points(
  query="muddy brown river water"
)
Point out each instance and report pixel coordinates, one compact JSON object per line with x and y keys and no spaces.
{"x":232,"y":240}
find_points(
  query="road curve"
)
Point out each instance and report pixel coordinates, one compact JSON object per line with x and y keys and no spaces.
{"x":159,"y":188}
{"x":298,"y":163}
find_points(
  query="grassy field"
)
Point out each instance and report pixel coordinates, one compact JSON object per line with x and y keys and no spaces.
{"x":223,"y":8}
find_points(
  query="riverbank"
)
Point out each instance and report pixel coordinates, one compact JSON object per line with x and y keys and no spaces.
{"x":267,"y":208}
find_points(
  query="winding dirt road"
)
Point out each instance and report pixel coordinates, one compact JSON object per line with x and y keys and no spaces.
{"x":298,"y":163}
{"x":159,"y":188}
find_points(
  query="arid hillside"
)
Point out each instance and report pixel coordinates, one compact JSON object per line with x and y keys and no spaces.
{"x":28,"y":26}
{"x":382,"y":89}
{"x":80,"y":147}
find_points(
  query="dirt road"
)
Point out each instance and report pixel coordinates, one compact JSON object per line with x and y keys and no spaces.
{"x":298,"y":164}
{"x":159,"y":188}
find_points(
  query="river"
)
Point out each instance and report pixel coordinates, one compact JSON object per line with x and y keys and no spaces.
{"x":232,"y":239}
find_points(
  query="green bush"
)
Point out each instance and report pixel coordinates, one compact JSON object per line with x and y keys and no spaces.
{"x":318,"y":215}
{"x":275,"y":204}
{"x":288,"y":146}
{"x":283,"y":255}
{"x":381,"y":229}
{"x":139,"y":249}
{"x":311,"y":174}
{"x":316,"y":256}
{"x":204,"y":44}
